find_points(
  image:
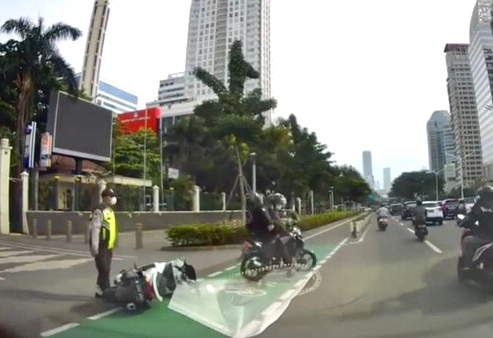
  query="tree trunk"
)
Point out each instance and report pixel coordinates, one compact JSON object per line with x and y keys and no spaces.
{"x":241,"y":183}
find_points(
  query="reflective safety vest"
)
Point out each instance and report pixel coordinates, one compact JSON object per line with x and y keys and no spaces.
{"x":108,"y":233}
{"x":108,"y":229}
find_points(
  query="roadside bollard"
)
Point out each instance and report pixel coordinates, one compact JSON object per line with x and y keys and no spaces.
{"x":35,"y":228}
{"x":69,"y":231}
{"x":138,"y":236}
{"x":48,"y":230}
{"x":353,"y":230}
{"x":86,"y":233}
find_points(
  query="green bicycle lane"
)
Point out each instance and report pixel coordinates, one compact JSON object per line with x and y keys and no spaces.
{"x":222,"y":305}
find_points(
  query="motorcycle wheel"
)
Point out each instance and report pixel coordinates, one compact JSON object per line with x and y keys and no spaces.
{"x":253,"y":274}
{"x":301,"y":260}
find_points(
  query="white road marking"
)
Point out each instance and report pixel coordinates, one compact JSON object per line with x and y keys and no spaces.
{"x":427,"y":242}
{"x":26,"y":259}
{"x":58,"y":250}
{"x":215,"y":273}
{"x":361,"y":239}
{"x":104,"y":314}
{"x":329,"y":229}
{"x":231,"y":267}
{"x":59,"y":329}
{"x":48,"y":265}
{"x":13,"y":253}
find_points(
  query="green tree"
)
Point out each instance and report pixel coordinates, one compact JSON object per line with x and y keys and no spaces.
{"x":410,"y":184}
{"x":349,"y":185}
{"x":128,"y":159}
{"x":30,"y":61}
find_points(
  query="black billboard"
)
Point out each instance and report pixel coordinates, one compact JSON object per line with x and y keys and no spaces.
{"x":79,"y":128}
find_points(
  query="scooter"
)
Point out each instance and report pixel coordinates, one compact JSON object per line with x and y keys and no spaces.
{"x":420,"y":230}
{"x":383,"y":222}
{"x":482,"y":268}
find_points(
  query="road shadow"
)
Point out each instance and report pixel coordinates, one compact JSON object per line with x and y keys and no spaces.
{"x":441,"y":295}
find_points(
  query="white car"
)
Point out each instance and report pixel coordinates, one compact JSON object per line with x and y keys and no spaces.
{"x":434,"y":212}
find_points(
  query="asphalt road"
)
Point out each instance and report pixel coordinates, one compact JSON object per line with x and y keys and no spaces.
{"x":381,"y":284}
{"x":391,"y":285}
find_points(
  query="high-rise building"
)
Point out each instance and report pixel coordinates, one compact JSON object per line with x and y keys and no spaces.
{"x":94,"y":48}
{"x":368,"y":169}
{"x":387,"y":180}
{"x":481,"y":60}
{"x":464,"y":115}
{"x":440,"y":140}
{"x":213,"y":26}
{"x":171,"y":91}
{"x":113,"y":97}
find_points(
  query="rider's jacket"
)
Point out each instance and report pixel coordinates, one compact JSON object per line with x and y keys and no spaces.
{"x":484,"y":217}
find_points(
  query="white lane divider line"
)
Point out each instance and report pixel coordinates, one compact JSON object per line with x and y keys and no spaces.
{"x":427,"y":242}
{"x":231,"y":267}
{"x":215,"y":273}
{"x":59,"y":329}
{"x":104,"y":314}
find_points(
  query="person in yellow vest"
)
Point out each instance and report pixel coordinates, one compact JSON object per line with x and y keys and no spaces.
{"x":102,"y":239}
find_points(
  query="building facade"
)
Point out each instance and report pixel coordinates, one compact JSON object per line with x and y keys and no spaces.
{"x":441,"y":148}
{"x":368,"y":169}
{"x":481,"y":61}
{"x":464,"y":115}
{"x":387,"y":180}
{"x":94,"y":48}
{"x":213,"y":26}
{"x":113,"y":98}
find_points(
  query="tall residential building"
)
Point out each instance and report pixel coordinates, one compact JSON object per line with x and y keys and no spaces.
{"x":387,"y":180}
{"x":368,"y":169}
{"x":94,"y":48}
{"x":440,"y":140}
{"x":464,"y":115}
{"x":481,"y":60}
{"x":213,"y":26}
{"x":112,"y":97}
{"x":171,"y":91}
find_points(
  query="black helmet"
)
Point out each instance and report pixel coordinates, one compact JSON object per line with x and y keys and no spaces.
{"x":253,"y":199}
{"x":485,"y":196}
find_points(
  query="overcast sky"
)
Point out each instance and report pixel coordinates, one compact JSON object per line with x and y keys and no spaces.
{"x":364,"y":75}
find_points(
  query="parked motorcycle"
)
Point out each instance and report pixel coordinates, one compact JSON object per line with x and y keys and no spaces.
{"x":482,"y":268}
{"x":136,"y":288}
{"x":383,"y":222}
{"x":257,"y":260}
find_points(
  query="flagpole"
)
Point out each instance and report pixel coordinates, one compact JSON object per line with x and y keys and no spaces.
{"x":145,"y":159}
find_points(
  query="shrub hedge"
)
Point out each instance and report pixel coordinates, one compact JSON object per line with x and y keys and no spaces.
{"x":221,"y":234}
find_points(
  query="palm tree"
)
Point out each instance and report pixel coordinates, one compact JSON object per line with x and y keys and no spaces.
{"x":237,"y":109}
{"x":36,"y":57}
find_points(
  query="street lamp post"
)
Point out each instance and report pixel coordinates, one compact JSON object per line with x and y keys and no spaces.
{"x":331,"y":198}
{"x":254,"y":171}
{"x":436,"y":181}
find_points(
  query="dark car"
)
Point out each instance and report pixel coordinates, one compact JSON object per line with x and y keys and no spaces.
{"x":407,"y":210}
{"x":395,"y":209}
{"x":450,"y":208}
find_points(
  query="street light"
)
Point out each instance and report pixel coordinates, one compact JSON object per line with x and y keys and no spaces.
{"x":331,"y":198}
{"x":253,"y":156}
{"x":436,"y":180}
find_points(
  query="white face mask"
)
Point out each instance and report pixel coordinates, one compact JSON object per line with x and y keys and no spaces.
{"x":113,"y":200}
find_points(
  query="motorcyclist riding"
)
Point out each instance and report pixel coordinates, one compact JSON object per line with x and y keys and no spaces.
{"x":382,"y":212}
{"x":265,"y":225}
{"x":482,"y":233}
{"x":419,"y":214}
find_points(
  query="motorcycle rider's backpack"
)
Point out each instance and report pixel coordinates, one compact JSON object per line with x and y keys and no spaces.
{"x":419,"y":214}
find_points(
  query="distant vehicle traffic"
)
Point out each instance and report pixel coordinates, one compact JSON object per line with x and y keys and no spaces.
{"x":395,"y":209}
{"x":407,"y":210}
{"x":450,"y":208}
{"x":434,"y":212}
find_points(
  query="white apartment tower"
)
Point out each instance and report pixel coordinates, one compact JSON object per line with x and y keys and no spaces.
{"x":464,"y":115}
{"x":94,"y":48}
{"x":213,"y":26}
{"x":481,"y":61}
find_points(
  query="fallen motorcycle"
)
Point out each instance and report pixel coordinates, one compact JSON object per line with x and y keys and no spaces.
{"x":136,"y":288}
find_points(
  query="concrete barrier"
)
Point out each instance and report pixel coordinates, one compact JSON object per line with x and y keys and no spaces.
{"x":361,"y":224}
{"x":126,"y":220}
